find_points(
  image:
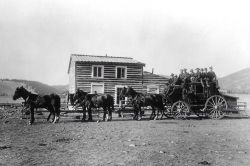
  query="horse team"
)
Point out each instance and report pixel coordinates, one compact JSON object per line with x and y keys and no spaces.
{"x":88,"y":101}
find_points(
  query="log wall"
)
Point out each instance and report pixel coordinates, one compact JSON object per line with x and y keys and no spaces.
{"x":83,"y":77}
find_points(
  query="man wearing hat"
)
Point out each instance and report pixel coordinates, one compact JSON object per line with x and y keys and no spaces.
{"x":171,"y":80}
{"x":192,"y":75}
{"x":202,"y":77}
{"x":186,"y":74}
{"x":206,"y":77}
{"x":211,"y":74}
{"x":212,"y":77}
{"x":192,"y":79}
{"x":197,"y":74}
{"x":181,"y":75}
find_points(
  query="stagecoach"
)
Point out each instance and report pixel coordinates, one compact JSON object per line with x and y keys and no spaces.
{"x":203,"y":101}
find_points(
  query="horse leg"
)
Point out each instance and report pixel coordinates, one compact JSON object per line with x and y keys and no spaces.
{"x":135,"y":113}
{"x":104,"y":114}
{"x":162,"y":112}
{"x":152,"y":113}
{"x":49,"y":116}
{"x":139,"y":113}
{"x":83,"y":113}
{"x":110,"y":113}
{"x":157,"y":114}
{"x":32,"y":118}
{"x":52,"y":110}
{"x":57,"y":111}
{"x":90,"y":114}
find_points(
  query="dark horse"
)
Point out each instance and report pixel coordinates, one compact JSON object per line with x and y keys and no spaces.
{"x":143,"y":100}
{"x":79,"y":99}
{"x":50,"y":102}
{"x":89,"y":101}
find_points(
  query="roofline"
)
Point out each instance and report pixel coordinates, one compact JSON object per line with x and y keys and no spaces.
{"x":69,"y":63}
{"x":140,"y":63}
{"x":102,"y":56}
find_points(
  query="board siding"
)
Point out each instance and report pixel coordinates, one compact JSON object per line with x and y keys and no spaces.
{"x":84,"y":77}
{"x":81,"y":78}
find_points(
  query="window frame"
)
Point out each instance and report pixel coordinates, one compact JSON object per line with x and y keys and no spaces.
{"x":102,"y":71}
{"x":125,"y":72}
{"x":93,"y":84}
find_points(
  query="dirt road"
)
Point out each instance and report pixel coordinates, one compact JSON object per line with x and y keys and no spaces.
{"x":125,"y":142}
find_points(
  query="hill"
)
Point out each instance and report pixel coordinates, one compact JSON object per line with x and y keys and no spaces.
{"x":238,"y":82}
{"x":7,"y":87}
{"x":61,"y":88}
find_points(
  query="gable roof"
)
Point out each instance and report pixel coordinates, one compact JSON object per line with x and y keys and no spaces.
{"x":149,"y":77}
{"x":103,"y":59}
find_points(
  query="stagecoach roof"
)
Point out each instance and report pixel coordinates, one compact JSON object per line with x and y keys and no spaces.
{"x":103,"y":59}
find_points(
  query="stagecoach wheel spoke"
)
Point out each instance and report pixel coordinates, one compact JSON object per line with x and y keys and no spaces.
{"x":210,"y":109}
{"x":180,"y":110}
{"x":210,"y":103}
{"x":212,"y":113}
{"x":214,"y":106}
{"x":222,"y":103}
{"x":213,"y":101}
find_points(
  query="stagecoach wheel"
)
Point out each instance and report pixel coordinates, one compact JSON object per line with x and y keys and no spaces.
{"x":214,"y":106}
{"x":180,"y":110}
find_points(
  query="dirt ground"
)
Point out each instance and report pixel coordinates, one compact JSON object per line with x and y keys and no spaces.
{"x":124,"y":142}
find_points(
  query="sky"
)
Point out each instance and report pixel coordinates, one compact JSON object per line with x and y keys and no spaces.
{"x":38,"y":37}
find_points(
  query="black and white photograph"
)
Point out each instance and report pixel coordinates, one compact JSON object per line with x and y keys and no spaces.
{"x":124,"y":83}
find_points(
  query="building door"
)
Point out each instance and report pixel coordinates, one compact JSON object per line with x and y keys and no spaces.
{"x":118,"y":90}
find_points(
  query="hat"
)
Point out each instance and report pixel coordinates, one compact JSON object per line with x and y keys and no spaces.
{"x":202,"y":69}
{"x":172,"y":74}
{"x":191,"y":70}
{"x":185,"y":69}
{"x":211,"y":67}
{"x":197,"y":69}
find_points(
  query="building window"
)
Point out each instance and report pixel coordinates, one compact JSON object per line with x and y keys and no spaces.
{"x":121,"y":72}
{"x":97,"y":88}
{"x":97,"y":71}
{"x":153,"y":89}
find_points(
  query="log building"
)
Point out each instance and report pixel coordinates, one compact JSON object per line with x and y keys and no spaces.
{"x":108,"y":75}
